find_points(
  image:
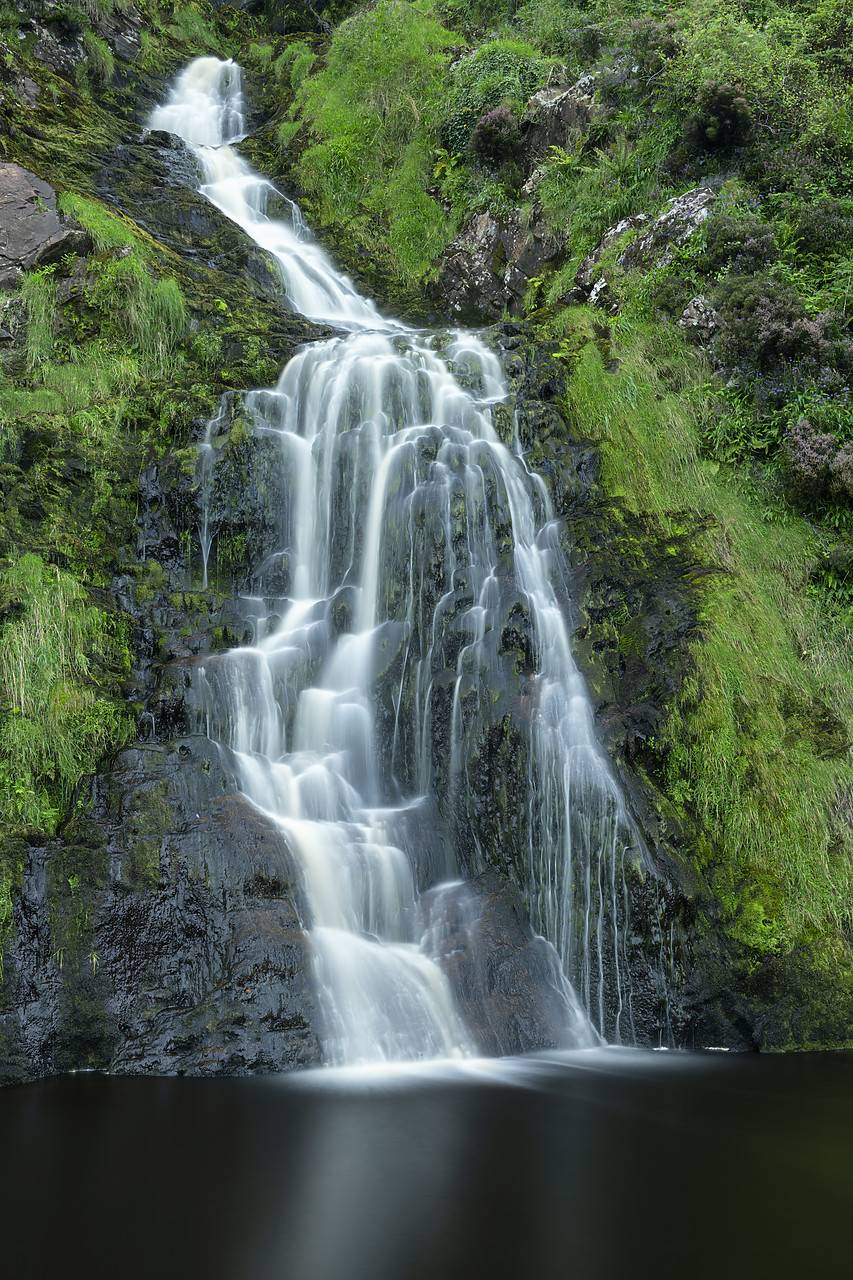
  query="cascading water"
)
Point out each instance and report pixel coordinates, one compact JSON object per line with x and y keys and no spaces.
{"x":409,"y":536}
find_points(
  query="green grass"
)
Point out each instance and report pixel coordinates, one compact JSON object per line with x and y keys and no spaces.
{"x":38,"y":290}
{"x":55,"y":723}
{"x":748,"y":749}
{"x":100,"y":63}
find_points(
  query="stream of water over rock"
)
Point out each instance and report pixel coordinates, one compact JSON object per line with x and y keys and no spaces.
{"x":414,"y":570}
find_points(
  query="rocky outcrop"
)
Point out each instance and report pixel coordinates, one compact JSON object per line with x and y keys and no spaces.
{"x":557,"y":116}
{"x":486,"y":269}
{"x":32,"y":232}
{"x":700,"y":321}
{"x":507,"y":983}
{"x":161,"y":936}
{"x":654,"y":245}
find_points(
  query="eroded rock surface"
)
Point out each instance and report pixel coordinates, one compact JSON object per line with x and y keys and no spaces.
{"x":557,"y":116}
{"x":655,"y":245}
{"x":32,"y":232}
{"x":486,"y":269}
{"x":162,"y":935}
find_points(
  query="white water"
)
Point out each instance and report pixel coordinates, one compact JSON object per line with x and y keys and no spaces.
{"x":206,"y":110}
{"x":403,"y":509}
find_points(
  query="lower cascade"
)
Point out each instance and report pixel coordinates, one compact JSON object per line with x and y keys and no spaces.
{"x":407,"y":610}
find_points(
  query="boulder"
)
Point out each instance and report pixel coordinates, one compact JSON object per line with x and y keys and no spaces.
{"x":655,"y":246}
{"x":487,"y":267}
{"x":557,"y":116}
{"x":700,"y":320}
{"x":32,"y":231}
{"x":506,"y":980}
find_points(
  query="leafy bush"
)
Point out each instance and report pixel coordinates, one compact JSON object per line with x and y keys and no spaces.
{"x":39,"y":293}
{"x":818,"y":469}
{"x":722,"y":117}
{"x":767,"y":330}
{"x":500,"y":73}
{"x":739,"y":247}
{"x":496,"y":136}
{"x":374,"y":111}
{"x":100,"y":63}
{"x":823,"y":228}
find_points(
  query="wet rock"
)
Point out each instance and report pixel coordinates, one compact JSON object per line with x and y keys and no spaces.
{"x":506,"y":981}
{"x":486,"y":269}
{"x":655,"y":245}
{"x":32,"y":232}
{"x":163,"y":936}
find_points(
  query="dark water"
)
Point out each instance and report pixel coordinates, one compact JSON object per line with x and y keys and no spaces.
{"x":597,"y":1164}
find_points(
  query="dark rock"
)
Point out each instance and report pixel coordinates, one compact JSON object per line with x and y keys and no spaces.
{"x":558,"y":116}
{"x":31,"y":230}
{"x":507,"y":981}
{"x":172,"y":942}
{"x":486,"y":269}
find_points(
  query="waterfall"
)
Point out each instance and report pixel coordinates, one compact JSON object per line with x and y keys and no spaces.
{"x":413,"y":615}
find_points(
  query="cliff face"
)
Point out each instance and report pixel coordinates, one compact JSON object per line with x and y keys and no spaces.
{"x":152,"y":923}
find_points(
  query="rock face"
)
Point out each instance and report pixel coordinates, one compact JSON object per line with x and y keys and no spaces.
{"x":487,"y":267}
{"x":168,"y":940}
{"x":700,"y":320}
{"x":557,"y":117}
{"x":32,"y":232}
{"x":655,"y":245}
{"x":507,"y":983}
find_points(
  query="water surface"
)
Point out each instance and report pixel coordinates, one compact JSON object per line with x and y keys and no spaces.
{"x":604,"y":1163}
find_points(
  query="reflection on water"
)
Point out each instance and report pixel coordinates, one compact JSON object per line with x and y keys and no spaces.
{"x":594,"y":1164}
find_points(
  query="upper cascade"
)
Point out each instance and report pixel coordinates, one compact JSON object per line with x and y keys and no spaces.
{"x":206,"y":109}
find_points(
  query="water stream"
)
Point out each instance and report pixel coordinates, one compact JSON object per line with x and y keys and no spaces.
{"x":413,"y":542}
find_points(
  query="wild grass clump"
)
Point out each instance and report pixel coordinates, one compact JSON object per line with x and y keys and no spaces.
{"x":100,"y":63}
{"x":38,"y":290}
{"x":55,"y":724}
{"x":374,"y":111}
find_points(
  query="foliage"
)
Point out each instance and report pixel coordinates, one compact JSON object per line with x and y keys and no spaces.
{"x":55,"y":724}
{"x":100,"y":63}
{"x":39,"y":293}
{"x":373,"y":137}
{"x":750,"y":747}
{"x":722,"y":117}
{"x":495,"y":137}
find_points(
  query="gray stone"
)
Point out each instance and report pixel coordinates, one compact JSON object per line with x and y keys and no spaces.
{"x":486,"y":269}
{"x":558,"y":116}
{"x":656,"y":246}
{"x":31,"y":230}
{"x":700,"y":320}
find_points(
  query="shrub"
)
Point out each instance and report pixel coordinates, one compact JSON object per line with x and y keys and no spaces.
{"x":500,"y":73}
{"x":823,"y":228}
{"x":818,"y":469}
{"x":496,"y":136}
{"x":57,"y":724}
{"x":767,"y":331}
{"x":39,"y":294}
{"x":739,"y":247}
{"x":722,"y":117}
